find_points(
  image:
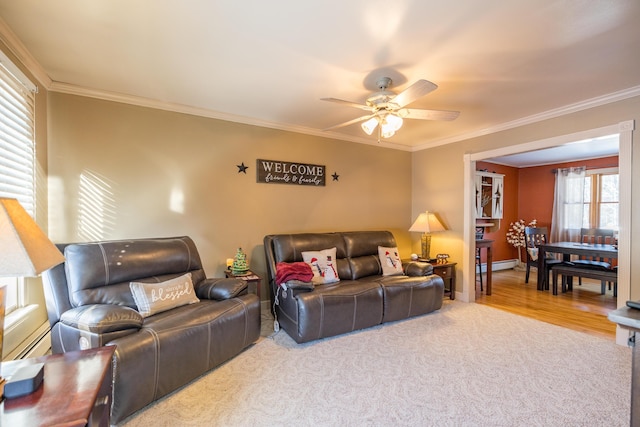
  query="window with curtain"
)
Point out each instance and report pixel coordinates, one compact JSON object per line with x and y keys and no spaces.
{"x":601,"y":199}
{"x":17,"y":151}
{"x":568,"y":204}
{"x":584,"y":199}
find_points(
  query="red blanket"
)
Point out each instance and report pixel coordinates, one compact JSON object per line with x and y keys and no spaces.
{"x":286,"y":271}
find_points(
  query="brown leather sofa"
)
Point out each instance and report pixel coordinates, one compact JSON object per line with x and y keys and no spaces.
{"x":90,"y":304}
{"x":362,"y":298}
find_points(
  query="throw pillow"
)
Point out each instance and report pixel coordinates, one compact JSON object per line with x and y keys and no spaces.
{"x":323,"y":265}
{"x":390,"y":261}
{"x":152,"y":298}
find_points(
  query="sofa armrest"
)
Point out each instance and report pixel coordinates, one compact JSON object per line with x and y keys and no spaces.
{"x":297,"y":285}
{"x":221,"y":289}
{"x":102,"y":318}
{"x":417,"y":268}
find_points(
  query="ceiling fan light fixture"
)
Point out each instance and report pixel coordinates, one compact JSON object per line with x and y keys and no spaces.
{"x":387,"y":133}
{"x":370,"y":125}
{"x":392,"y":121}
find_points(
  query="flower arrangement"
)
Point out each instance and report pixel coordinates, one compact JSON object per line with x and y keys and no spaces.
{"x":515,"y":235}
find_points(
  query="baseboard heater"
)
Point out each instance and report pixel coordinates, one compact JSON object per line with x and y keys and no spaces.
{"x":36,"y":345}
{"x":499,"y":265}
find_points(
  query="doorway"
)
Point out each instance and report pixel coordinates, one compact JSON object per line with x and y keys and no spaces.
{"x":624,"y":130}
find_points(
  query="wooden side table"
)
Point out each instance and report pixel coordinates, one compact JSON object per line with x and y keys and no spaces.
{"x":76,"y":391}
{"x":250,"y":277}
{"x":448,"y":273}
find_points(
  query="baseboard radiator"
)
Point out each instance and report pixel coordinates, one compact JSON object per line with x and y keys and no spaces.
{"x":37,"y":344}
{"x":499,"y":265}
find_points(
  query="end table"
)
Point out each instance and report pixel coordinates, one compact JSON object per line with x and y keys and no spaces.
{"x":76,"y":391}
{"x":250,"y":277}
{"x":448,"y":273}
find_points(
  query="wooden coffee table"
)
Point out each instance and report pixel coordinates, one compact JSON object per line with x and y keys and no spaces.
{"x":76,"y":391}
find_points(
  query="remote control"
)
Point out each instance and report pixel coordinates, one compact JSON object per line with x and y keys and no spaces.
{"x":634,"y":304}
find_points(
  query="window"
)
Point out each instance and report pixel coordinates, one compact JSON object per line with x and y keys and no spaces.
{"x":601,"y":199}
{"x":17,"y":151}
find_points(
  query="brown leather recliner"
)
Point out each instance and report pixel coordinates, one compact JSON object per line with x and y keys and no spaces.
{"x":90,"y":304}
{"x":362,"y":298}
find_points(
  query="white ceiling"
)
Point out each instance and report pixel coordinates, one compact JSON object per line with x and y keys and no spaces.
{"x":500,"y":63}
{"x":593,"y":148}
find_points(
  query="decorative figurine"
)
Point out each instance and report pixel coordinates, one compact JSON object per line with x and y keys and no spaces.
{"x":239,"y":265}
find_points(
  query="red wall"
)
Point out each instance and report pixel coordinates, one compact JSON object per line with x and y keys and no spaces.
{"x":528,"y":195}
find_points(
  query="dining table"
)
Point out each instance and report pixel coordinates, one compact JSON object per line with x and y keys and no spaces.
{"x":567,"y":249}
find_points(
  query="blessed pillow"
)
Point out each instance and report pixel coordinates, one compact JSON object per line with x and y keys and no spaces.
{"x":152,"y":298}
{"x":323,"y":265}
{"x":390,"y":261}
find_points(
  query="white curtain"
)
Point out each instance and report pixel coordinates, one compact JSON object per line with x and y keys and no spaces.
{"x":568,"y":205}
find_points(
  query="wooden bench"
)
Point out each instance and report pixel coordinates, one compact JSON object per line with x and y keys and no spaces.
{"x":569,"y":271}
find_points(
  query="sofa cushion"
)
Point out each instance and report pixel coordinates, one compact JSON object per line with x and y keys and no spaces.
{"x":323,"y":265}
{"x":332,"y":310}
{"x":100,"y":272}
{"x":152,"y":298}
{"x":362,"y":251}
{"x":390,"y":261}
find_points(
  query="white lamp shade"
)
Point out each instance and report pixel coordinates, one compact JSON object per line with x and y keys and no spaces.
{"x":370,"y":125}
{"x":395,"y":122}
{"x":427,"y":222}
{"x":25,"y":251}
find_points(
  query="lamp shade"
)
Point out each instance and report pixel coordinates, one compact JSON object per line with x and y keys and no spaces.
{"x":25,"y":251}
{"x":427,"y":222}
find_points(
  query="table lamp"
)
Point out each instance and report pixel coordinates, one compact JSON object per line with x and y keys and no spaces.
{"x":25,"y":251}
{"x":427,"y":223}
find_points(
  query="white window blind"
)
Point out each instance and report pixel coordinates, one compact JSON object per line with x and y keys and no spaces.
{"x":17,"y":152}
{"x":17,"y":142}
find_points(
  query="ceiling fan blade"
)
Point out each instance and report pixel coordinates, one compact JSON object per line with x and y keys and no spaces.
{"x":350,"y":122}
{"x":412,"y":113}
{"x":349,"y":103}
{"x":413,"y":92}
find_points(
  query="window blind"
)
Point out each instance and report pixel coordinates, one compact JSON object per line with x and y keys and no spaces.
{"x":17,"y":141}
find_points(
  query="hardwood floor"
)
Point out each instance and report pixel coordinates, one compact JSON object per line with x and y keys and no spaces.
{"x":583,"y":309}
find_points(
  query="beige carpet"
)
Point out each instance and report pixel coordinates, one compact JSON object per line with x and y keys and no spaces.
{"x":465,"y":365}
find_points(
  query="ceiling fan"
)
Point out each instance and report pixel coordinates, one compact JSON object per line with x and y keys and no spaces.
{"x":387,"y":109}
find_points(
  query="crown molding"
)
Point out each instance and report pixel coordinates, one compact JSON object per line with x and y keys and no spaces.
{"x":551,"y":114}
{"x":15,"y":46}
{"x":203,"y":112}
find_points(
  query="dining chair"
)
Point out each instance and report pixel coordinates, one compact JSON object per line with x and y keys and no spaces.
{"x":533,"y":237}
{"x":595,"y":236}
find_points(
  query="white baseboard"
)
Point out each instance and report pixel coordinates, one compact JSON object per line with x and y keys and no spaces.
{"x":506,"y":264}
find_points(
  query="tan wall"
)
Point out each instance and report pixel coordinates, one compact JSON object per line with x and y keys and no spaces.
{"x":438,"y":173}
{"x":141,"y":159}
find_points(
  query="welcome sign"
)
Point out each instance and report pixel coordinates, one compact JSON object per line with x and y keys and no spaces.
{"x":279,"y":172}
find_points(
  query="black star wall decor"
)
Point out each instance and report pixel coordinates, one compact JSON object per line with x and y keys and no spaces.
{"x":335,"y":176}
{"x":242,"y":168}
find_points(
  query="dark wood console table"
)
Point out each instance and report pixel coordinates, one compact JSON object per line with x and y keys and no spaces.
{"x":488,"y":245}
{"x":630,"y":318}
{"x":76,"y":391}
